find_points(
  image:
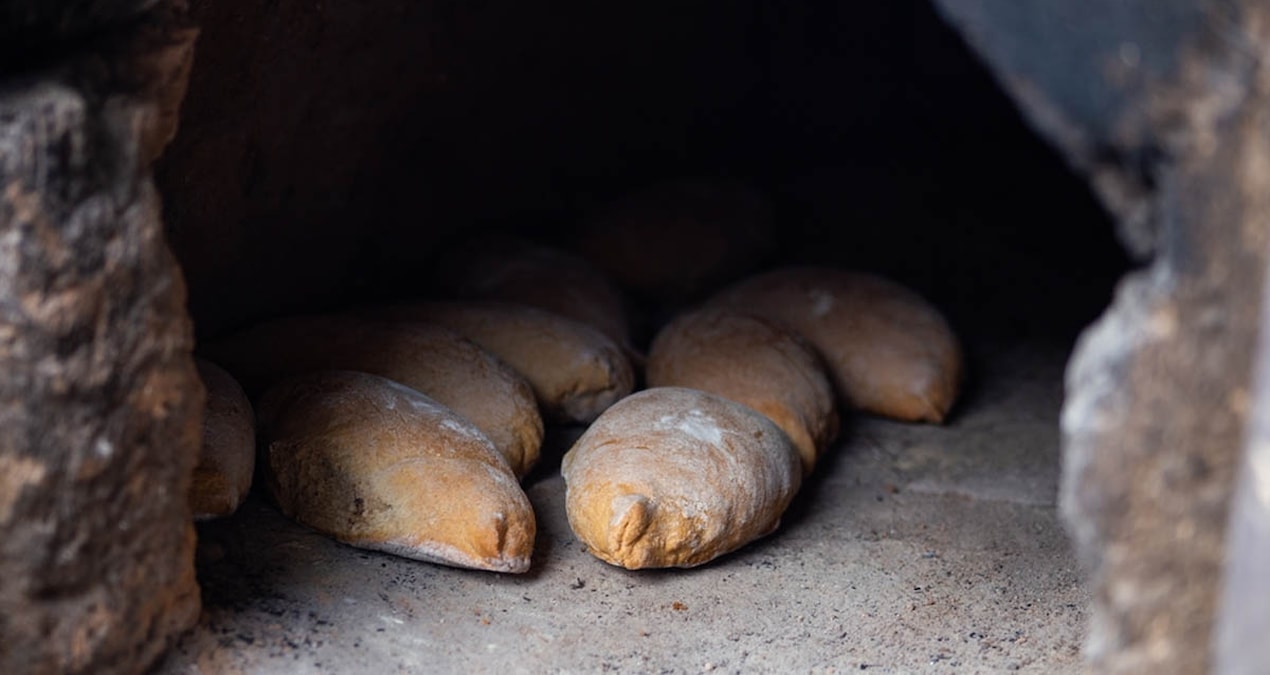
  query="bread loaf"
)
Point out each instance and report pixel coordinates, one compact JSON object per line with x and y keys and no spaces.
{"x":754,"y":362}
{"x":888,"y":351}
{"x":433,"y":360}
{"x":674,"y":477}
{"x":381,"y":466}
{"x":514,"y":270}
{"x":675,"y":241}
{"x":575,"y":371}
{"x":227,"y":459}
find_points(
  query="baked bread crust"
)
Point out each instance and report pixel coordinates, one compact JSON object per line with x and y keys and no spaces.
{"x":576,"y":372}
{"x":674,"y":477}
{"x":673,"y":242}
{"x":888,"y":350}
{"x":509,"y":269}
{"x":381,"y":466}
{"x":227,"y":459}
{"x":431,"y":359}
{"x":754,"y":362}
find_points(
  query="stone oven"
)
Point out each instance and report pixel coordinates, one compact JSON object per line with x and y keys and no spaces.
{"x":1083,"y":187}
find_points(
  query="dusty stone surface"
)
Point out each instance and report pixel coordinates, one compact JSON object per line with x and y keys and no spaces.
{"x":893,"y":559}
{"x":1163,"y":105}
{"x":99,"y":404}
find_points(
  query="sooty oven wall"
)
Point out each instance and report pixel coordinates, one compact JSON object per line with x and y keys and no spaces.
{"x":327,"y":149}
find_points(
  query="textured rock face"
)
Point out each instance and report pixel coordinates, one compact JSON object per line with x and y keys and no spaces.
{"x":1163,"y":104}
{"x":100,"y":403}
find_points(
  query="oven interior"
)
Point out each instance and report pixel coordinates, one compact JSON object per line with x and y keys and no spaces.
{"x":329,"y":152}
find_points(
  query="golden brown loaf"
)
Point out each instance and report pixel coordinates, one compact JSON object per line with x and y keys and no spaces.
{"x":754,"y":362}
{"x":431,"y":359}
{"x":514,"y":270}
{"x":674,"y":477}
{"x":227,"y":460}
{"x":380,"y":466}
{"x":888,"y":350}
{"x":575,"y":371}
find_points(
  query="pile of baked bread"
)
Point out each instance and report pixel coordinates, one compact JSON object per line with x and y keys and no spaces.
{"x":408,"y":428}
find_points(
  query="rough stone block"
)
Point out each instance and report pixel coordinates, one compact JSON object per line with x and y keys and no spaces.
{"x":100,"y":403}
{"x":1163,"y":105}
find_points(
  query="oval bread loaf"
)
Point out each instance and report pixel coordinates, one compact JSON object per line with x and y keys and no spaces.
{"x":433,"y":360}
{"x":227,"y":459}
{"x":576,"y":372}
{"x":754,"y":362}
{"x":673,"y":241}
{"x":674,"y":477}
{"x":514,"y":270}
{"x":888,"y":351}
{"x":381,"y":466}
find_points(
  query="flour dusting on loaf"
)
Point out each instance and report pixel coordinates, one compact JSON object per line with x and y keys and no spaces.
{"x":754,"y":362}
{"x":674,"y":477}
{"x":694,"y":424}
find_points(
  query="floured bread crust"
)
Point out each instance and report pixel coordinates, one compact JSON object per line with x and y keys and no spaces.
{"x":754,"y":362}
{"x":674,"y":477}
{"x":576,"y":372}
{"x":227,"y":459}
{"x":432,"y":359}
{"x":889,"y":351}
{"x":381,"y":466}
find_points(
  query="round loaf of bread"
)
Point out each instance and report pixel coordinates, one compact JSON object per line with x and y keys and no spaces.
{"x":431,"y":359}
{"x":509,"y":269}
{"x":674,"y":477}
{"x":754,"y":362}
{"x":888,"y":351}
{"x":227,"y":459}
{"x":381,"y":466}
{"x":576,"y":372}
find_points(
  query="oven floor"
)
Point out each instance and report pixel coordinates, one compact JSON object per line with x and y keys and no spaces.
{"x":913,"y":549}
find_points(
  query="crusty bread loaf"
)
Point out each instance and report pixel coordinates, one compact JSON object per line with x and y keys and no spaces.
{"x":754,"y":362}
{"x":675,"y":241}
{"x":227,"y":459}
{"x":674,"y":477}
{"x":575,"y":371}
{"x":381,"y":466}
{"x":431,"y":359}
{"x":889,"y":351}
{"x":506,"y":268}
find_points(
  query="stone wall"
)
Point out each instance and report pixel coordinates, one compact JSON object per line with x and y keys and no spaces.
{"x":1163,"y":104}
{"x":100,"y":405}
